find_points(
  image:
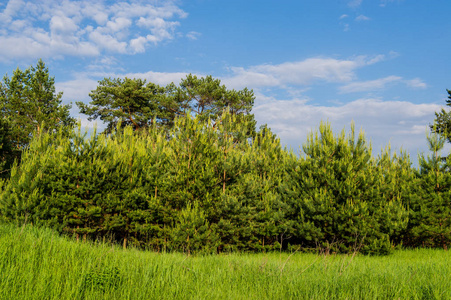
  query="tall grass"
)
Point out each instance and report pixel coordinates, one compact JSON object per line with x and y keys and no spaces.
{"x":39,"y":264}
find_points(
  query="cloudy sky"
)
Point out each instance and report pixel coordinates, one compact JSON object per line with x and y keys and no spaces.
{"x":384,"y":64}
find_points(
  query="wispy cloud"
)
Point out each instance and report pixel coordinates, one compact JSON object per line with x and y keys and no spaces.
{"x":379,"y":84}
{"x":416,"y":83}
{"x":161,"y":78}
{"x":362,"y":18}
{"x":193,"y":35}
{"x":370,"y":85}
{"x":354,"y":3}
{"x":300,"y":73}
{"x":84,"y":28}
{"x":385,"y":2}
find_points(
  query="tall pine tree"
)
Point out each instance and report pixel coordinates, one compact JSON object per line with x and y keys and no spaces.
{"x":28,"y":101}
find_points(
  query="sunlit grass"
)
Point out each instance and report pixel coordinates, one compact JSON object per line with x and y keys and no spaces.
{"x":39,"y":264}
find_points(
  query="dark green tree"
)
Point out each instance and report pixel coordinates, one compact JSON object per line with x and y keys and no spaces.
{"x":430,"y":207}
{"x":129,"y":101}
{"x":442,"y":122}
{"x":207,"y":98}
{"x":28,"y":101}
{"x":135,"y":103}
{"x":341,"y":200}
{"x":7,"y":153}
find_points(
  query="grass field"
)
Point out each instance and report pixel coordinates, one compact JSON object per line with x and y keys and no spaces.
{"x":39,"y":264}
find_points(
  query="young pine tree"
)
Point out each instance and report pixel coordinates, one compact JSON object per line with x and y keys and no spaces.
{"x":341,"y":205}
{"x":430,"y":207}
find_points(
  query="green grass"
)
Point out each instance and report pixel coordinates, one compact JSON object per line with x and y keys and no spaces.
{"x":39,"y":264}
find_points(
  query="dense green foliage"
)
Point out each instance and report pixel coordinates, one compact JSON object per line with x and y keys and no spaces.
{"x":182,"y":168}
{"x":343,"y":197}
{"x":28,"y":101}
{"x":442,"y":122}
{"x":38,"y":264}
{"x":430,"y":219}
{"x":209,"y":188}
{"x":28,"y":105}
{"x":134,"y":103}
{"x":7,"y":152}
{"x":130,"y":101}
{"x":178,"y":193}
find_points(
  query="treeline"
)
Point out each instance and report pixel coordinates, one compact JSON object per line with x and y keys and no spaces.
{"x":212,"y":183}
{"x":209,"y":188}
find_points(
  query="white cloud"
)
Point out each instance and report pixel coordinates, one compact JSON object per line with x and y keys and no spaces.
{"x":161,"y":78}
{"x":375,"y":59}
{"x":354,"y":3}
{"x":381,"y":83}
{"x":362,"y":18}
{"x":393,"y":54}
{"x":62,"y":25}
{"x":90,"y":125}
{"x":138,"y":45}
{"x":10,"y":10}
{"x":118,"y":24}
{"x":370,"y":85}
{"x":77,"y":89}
{"x":193,"y":35}
{"x":401,"y":123}
{"x":416,"y":83}
{"x":344,"y":16}
{"x":385,"y":2}
{"x":18,"y":25}
{"x":108,"y":42}
{"x":54,"y":28}
{"x":299,"y":73}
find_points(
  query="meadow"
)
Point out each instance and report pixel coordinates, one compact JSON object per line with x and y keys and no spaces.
{"x":38,"y":263}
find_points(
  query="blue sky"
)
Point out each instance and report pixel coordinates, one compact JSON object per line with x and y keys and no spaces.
{"x":383,"y":64}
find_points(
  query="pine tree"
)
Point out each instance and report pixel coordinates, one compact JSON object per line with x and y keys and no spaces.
{"x":442,"y":122}
{"x":130,"y":102}
{"x":430,"y":218}
{"x":208,"y":99}
{"x":341,"y":205}
{"x":28,"y":101}
{"x":7,"y":152}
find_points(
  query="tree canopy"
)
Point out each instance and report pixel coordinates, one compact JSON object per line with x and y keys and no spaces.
{"x":139,"y":104}
{"x":442,"y":122}
{"x":129,"y":101}
{"x":28,"y":101}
